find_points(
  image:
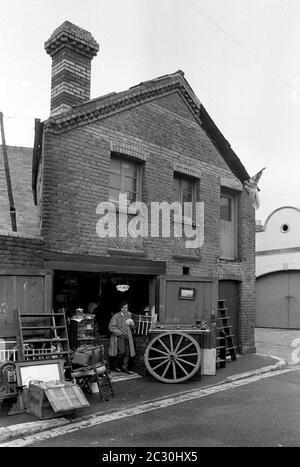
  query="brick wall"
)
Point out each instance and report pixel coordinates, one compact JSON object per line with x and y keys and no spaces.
{"x":166,"y":135}
{"x":70,"y":80}
{"x":20,"y":164}
{"x":20,"y":252}
{"x":72,"y":49}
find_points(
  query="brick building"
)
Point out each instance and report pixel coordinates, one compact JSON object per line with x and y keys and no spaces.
{"x":20,"y":259}
{"x":20,"y":168}
{"x":156,"y":142}
{"x":278,"y":269}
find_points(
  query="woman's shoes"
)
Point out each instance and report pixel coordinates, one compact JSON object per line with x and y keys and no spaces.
{"x":125,"y":370}
{"x":116,"y":369}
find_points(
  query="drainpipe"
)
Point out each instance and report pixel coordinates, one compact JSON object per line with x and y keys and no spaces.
{"x":8,"y":180}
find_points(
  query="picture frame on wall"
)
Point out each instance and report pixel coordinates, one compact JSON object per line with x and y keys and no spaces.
{"x":187,"y":293}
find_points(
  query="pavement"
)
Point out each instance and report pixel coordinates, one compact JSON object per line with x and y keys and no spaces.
{"x":275,"y":350}
{"x":282,"y":343}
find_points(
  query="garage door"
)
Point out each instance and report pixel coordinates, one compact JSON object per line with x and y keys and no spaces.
{"x":278,"y":300}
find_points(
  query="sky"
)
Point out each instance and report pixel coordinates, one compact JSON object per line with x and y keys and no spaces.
{"x":241,"y":58}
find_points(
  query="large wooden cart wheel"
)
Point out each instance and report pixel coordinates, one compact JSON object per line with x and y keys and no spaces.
{"x":172,"y":357}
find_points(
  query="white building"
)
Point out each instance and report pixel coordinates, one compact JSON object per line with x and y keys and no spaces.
{"x":278,"y":269}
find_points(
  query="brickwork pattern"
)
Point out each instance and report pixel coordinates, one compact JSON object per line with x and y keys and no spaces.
{"x":21,"y":252}
{"x":76,"y":178}
{"x":70,"y":80}
{"x":20,"y":165}
{"x":72,"y":49}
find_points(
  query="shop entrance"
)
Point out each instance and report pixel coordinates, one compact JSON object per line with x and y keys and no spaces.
{"x":81,"y":289}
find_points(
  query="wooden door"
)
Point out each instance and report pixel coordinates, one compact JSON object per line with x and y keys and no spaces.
{"x":28,"y":291}
{"x":184,"y":299}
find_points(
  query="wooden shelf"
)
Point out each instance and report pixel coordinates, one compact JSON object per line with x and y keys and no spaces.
{"x":56,"y":328}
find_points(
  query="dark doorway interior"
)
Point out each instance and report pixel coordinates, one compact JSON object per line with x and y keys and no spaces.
{"x":74,"y":289}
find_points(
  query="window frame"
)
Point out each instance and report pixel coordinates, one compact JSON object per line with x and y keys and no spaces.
{"x":179,"y":176}
{"x":233,"y":196}
{"x":123,"y":158}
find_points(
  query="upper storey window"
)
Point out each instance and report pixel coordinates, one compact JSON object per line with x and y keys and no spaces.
{"x":228,"y":226}
{"x":125,"y":178}
{"x":184,"y":190}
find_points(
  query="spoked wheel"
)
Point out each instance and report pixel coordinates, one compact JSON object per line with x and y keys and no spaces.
{"x":172,"y":357}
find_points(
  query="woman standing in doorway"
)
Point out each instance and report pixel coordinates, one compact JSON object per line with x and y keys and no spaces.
{"x":121,"y":345}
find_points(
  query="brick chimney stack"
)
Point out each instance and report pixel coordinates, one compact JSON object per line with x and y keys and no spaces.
{"x":72,"y":50}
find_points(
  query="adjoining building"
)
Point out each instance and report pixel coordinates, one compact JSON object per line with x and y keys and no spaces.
{"x":155,"y":142}
{"x":278,"y":269}
{"x":20,"y":172}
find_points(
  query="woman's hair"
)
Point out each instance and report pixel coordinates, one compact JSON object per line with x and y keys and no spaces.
{"x":123,"y":304}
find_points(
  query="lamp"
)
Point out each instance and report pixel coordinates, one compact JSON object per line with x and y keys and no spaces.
{"x":122,"y":287}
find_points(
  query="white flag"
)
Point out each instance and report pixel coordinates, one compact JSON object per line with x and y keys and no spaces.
{"x":252,"y":188}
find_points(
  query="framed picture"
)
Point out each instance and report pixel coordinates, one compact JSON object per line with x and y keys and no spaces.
{"x":39,"y":370}
{"x":186,"y":293}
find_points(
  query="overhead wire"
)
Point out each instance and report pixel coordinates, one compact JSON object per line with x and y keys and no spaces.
{"x":195,"y":5}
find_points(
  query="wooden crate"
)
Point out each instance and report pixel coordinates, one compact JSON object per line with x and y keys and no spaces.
{"x":55,"y":401}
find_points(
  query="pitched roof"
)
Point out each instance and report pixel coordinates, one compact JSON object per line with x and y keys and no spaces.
{"x":110,"y":104}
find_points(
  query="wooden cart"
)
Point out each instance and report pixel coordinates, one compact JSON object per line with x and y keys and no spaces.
{"x":173,"y":353}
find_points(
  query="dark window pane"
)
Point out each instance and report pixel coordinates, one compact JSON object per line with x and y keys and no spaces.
{"x":187,"y":185}
{"x":225,"y":208}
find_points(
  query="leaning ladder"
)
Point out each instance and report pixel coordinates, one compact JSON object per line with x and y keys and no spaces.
{"x":223,"y":325}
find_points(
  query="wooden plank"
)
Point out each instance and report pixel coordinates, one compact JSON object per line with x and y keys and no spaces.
{"x":66,"y":262}
{"x":182,"y":278}
{"x":23,"y":272}
{"x":48,"y":297}
{"x":66,"y":398}
{"x":30,"y":292}
{"x":8,"y":302}
{"x":161,"y":299}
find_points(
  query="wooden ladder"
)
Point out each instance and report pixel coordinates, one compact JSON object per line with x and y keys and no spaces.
{"x":52,"y":331}
{"x":225,"y":335}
